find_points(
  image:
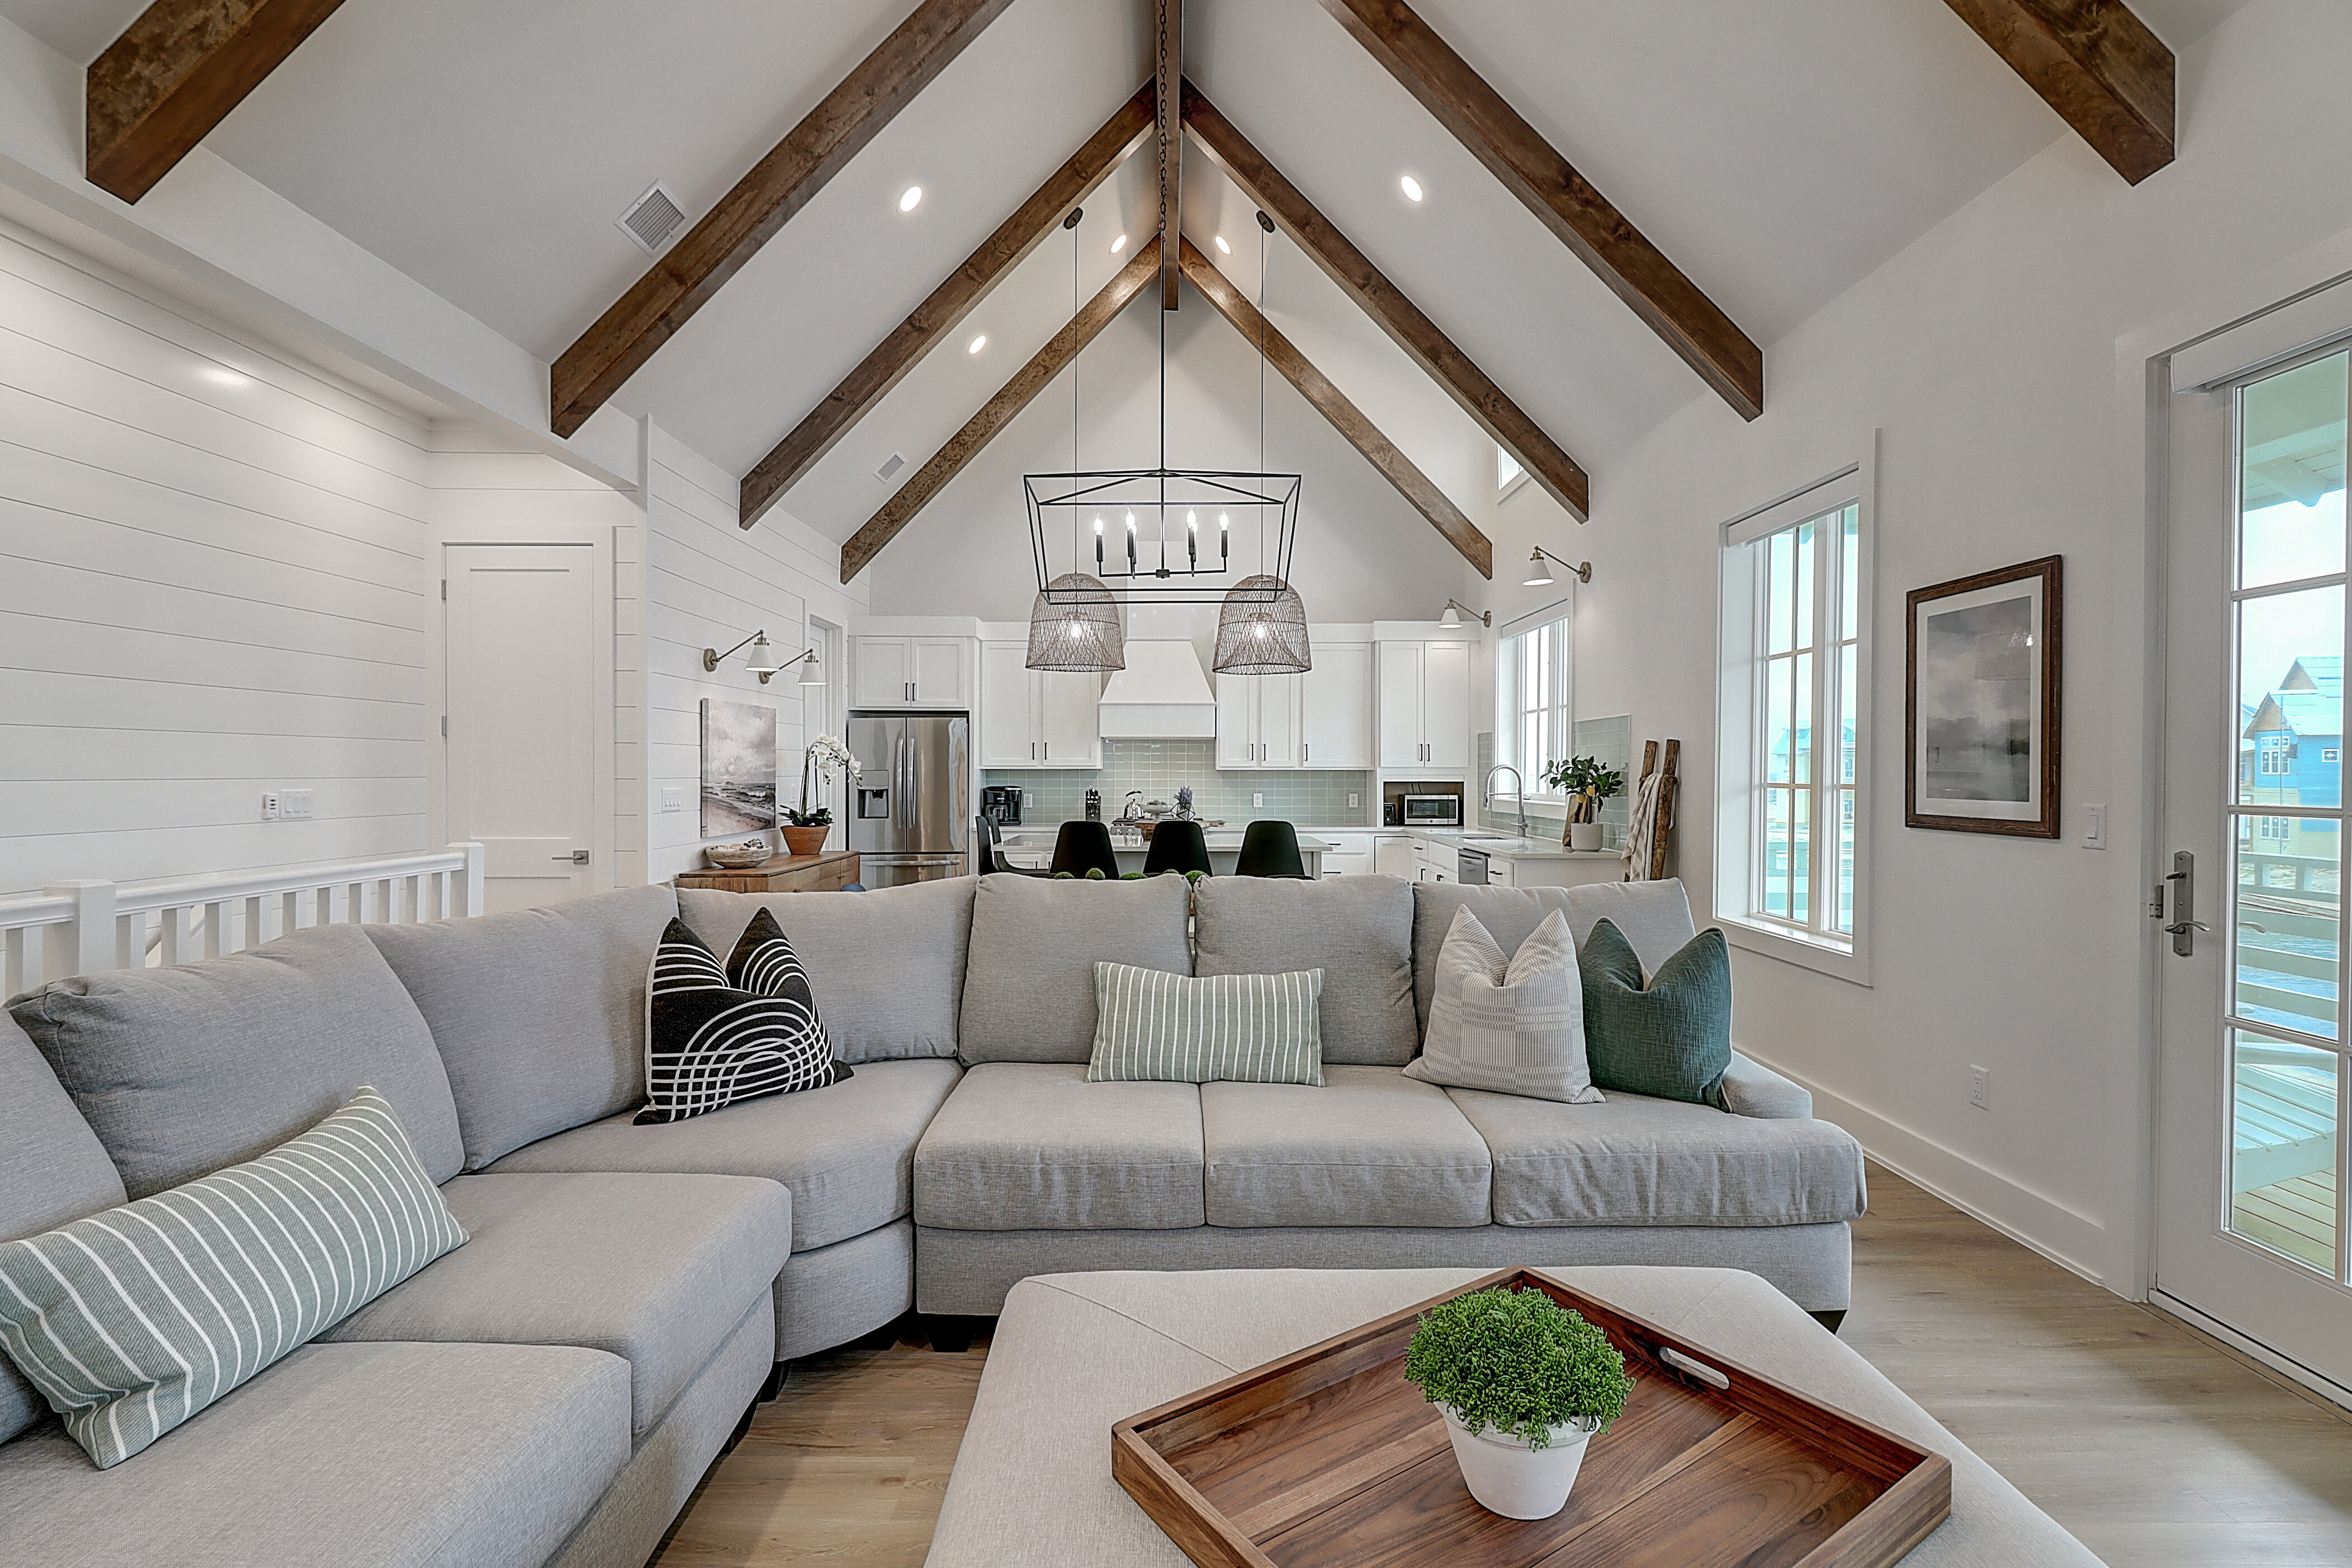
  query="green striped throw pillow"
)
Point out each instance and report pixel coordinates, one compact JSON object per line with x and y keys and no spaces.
{"x":1153,"y":1025}
{"x":133,"y":1321}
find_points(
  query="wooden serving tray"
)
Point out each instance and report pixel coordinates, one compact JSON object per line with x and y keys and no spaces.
{"x":1330,"y":1457}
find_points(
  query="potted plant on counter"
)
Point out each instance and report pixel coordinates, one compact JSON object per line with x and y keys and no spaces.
{"x":804,"y":831}
{"x":1524,"y":1384}
{"x":1587,"y":782}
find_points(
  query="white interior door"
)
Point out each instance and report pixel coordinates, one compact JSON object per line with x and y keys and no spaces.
{"x":522,"y":660}
{"x":2249,"y":1203}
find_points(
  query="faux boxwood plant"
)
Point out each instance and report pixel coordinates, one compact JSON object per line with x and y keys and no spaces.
{"x":1518,"y":1362}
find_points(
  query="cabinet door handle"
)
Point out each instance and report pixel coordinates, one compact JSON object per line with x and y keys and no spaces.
{"x":1049,"y":751}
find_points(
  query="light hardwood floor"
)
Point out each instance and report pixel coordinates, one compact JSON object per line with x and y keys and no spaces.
{"x":2155,"y":1446}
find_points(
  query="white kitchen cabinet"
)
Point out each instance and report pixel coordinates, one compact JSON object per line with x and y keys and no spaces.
{"x":1350,"y":853}
{"x":1335,"y":708}
{"x":1035,"y":718}
{"x":1257,"y":720}
{"x":1425,"y":705}
{"x":909,"y":672}
{"x":1394,"y":855}
{"x":1438,"y":862}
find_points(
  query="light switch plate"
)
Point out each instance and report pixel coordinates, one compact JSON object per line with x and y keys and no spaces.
{"x":2095,"y":827}
{"x":673,"y":797}
{"x":272,"y":808}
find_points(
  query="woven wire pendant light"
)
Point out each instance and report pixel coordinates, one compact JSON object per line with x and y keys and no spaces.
{"x":1075,"y":625}
{"x":1262,"y":630}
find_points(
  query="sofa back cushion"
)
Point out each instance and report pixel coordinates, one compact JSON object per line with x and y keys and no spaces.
{"x":1029,"y":982}
{"x":1653,"y":917}
{"x":887,"y":966}
{"x":1357,"y":930}
{"x":182,"y":1071}
{"x":53,"y":1171}
{"x":540,"y":1013}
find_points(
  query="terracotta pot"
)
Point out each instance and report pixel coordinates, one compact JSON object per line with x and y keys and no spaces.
{"x":804,"y":840}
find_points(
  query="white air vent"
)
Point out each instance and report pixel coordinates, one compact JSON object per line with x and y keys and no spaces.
{"x":652,"y":219}
{"x":889,"y":470}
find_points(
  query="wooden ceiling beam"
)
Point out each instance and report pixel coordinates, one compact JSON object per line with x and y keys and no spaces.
{"x":1167,"y":70}
{"x":1397,"y":315}
{"x":1000,"y":410}
{"x":1345,"y":417}
{"x":174,"y":74}
{"x":2096,"y":64}
{"x":1531,"y":169}
{"x":947,"y":305}
{"x":592,"y":368}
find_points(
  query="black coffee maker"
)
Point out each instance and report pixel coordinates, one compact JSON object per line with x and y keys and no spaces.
{"x":1001,"y":804}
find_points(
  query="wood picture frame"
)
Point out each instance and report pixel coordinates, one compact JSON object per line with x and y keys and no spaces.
{"x":1983,"y":660}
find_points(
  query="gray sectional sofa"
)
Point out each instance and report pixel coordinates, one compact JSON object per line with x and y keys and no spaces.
{"x":550,"y":1393}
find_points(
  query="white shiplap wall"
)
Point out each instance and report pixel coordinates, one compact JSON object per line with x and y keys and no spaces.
{"x":213,"y":582}
{"x":710,"y":584}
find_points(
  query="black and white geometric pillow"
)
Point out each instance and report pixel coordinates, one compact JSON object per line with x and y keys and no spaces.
{"x":717,"y":1034}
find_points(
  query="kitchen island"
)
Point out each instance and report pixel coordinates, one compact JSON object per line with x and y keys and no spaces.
{"x":1032,"y":848}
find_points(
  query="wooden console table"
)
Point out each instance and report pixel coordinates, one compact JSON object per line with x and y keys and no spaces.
{"x":826,"y":873}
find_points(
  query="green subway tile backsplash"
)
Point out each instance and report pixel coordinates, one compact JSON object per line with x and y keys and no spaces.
{"x":1157,"y":767}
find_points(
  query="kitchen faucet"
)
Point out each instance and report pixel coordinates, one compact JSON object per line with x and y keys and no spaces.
{"x":1487,"y":792}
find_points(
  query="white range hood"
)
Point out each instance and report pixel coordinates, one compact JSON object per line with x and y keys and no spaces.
{"x":1161,"y":695}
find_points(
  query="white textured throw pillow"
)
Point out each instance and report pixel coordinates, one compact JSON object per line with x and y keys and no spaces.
{"x":1512,"y":1024}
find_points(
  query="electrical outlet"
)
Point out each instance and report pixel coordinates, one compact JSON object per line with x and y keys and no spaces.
{"x":1355,"y":801}
{"x":271,"y":807}
{"x":1257,"y":801}
{"x":673,"y":797}
{"x":2095,"y":827}
{"x":1980,"y":1087}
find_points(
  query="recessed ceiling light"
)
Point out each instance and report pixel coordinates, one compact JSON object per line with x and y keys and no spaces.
{"x":1118,"y":244}
{"x":1223,"y":247}
{"x":906,"y":202}
{"x":1411,"y":188}
{"x":978,"y":344}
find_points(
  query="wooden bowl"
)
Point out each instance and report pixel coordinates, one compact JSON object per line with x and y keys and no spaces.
{"x":737,"y":856}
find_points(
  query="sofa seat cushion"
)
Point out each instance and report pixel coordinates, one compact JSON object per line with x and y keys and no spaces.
{"x":1029,"y":987}
{"x":1370,"y":1147}
{"x":886,"y":967}
{"x":1357,"y":930}
{"x":1641,"y":1160}
{"x":395,"y":1455}
{"x":539,"y":1013}
{"x":847,"y":1150}
{"x":1035,"y":1146}
{"x":53,"y":1171}
{"x":186,"y":1069}
{"x":657,"y":1269}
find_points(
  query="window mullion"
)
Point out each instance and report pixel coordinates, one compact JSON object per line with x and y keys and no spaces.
{"x":1823,"y":872}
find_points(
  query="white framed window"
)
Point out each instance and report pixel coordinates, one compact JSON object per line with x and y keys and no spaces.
{"x":2277,"y":755}
{"x":1508,"y":474}
{"x":1535,"y":721}
{"x":1793,"y":730}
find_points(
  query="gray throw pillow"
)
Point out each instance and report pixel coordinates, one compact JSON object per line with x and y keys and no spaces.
{"x":131,"y":1321}
{"x":1158,"y":1027}
{"x":1511,"y":1023}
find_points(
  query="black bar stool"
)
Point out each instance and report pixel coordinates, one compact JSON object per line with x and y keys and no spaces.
{"x":1177,"y":847}
{"x":1084,"y":846}
{"x":992,"y":851}
{"x":1270,"y":850}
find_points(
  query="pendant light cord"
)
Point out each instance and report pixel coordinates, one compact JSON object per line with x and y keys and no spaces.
{"x":1264,"y":263}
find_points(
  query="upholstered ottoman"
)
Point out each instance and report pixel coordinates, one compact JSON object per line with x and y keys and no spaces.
{"x":1075,"y":1352}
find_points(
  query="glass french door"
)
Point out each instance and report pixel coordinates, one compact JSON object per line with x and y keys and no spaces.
{"x":2252,"y":1094}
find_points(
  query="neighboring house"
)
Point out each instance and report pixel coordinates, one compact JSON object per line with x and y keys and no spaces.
{"x":2290,"y":754}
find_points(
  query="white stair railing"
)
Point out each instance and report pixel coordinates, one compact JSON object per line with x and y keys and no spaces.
{"x":81,"y":927}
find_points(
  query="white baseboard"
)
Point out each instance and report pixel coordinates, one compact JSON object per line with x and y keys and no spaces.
{"x":2031,"y":1219}
{"x":2326,"y":1387}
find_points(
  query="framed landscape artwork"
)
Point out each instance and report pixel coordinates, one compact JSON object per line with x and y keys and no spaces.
{"x":739,"y":767}
{"x":1981,"y":709}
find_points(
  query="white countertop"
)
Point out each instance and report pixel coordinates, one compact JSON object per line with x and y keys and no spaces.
{"x":1024,"y":838}
{"x":1508,"y":847}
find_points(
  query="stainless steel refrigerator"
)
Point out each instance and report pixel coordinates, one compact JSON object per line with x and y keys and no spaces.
{"x":911,"y":809}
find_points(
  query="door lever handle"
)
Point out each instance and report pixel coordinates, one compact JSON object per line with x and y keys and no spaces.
{"x":2178,"y":927}
{"x":577,"y":857}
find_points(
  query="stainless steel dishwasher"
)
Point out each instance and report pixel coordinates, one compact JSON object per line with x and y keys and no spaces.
{"x":1470,"y":867}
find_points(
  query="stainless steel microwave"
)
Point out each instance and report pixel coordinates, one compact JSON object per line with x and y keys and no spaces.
{"x":1432,"y":811}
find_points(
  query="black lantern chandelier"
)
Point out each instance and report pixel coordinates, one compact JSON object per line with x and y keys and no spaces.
{"x":1163,"y":535}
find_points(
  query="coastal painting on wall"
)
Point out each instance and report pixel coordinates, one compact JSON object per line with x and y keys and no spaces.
{"x":739,"y":767}
{"x":1980,"y":706}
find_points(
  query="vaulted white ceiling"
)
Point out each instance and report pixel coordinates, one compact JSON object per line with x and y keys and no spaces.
{"x":1777,"y":149}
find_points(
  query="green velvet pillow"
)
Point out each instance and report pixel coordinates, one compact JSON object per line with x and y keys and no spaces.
{"x":1671,"y":1038}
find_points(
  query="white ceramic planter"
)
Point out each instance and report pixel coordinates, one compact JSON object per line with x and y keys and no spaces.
{"x":1584,"y":835}
{"x":1510,"y":1479}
